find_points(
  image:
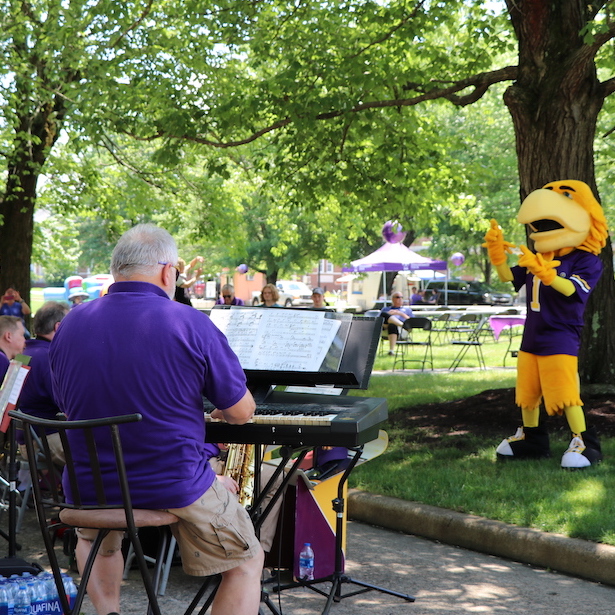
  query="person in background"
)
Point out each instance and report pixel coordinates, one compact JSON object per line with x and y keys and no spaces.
{"x":270,"y":296}
{"x":13,"y":305}
{"x":431,"y":298}
{"x":394,"y":316}
{"x":184,"y":282}
{"x":12,"y":341}
{"x":318,"y":299}
{"x":76,"y":296}
{"x":417,"y":296}
{"x":36,"y":396}
{"x":228,"y":296}
{"x":143,"y":352}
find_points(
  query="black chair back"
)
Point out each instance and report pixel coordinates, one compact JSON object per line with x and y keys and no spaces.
{"x":91,"y":474}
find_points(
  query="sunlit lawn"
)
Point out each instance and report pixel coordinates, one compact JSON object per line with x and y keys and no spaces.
{"x":461,"y":472}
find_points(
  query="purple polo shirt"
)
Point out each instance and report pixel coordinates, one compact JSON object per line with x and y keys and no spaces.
{"x":134,"y":350}
{"x":36,"y":396}
{"x":4,"y":365}
{"x":234,"y":301}
{"x":554,"y":321}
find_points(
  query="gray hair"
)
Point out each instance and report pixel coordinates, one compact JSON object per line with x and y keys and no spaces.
{"x":141,"y":249}
{"x":47,"y":316}
{"x":229,"y":287}
{"x":9,"y":323}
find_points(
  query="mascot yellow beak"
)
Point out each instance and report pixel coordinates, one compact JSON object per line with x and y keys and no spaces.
{"x":556,"y":216}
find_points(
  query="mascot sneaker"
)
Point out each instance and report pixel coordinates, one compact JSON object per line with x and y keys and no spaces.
{"x":584,"y":451}
{"x":527,"y":443}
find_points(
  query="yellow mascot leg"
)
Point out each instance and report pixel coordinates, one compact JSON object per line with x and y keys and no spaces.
{"x":530,"y":416}
{"x":576,"y":419}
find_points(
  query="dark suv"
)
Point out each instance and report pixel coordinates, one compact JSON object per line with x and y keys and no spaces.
{"x":462,"y":292}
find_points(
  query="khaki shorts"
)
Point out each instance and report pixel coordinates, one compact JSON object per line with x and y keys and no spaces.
{"x":214,"y":534}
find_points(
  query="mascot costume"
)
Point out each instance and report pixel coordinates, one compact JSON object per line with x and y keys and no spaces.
{"x":568,"y":228}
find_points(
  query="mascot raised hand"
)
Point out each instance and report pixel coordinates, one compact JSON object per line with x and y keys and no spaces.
{"x":568,"y":228}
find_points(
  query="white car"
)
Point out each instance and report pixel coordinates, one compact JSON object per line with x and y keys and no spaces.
{"x":292,"y":294}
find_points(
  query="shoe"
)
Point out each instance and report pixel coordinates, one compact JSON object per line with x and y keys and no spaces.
{"x":527,"y":443}
{"x":391,"y":353}
{"x":584,"y":450}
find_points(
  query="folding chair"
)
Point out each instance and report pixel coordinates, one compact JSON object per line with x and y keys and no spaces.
{"x":473,"y":341}
{"x":465,"y":325}
{"x":441,"y":326}
{"x":410,"y":325}
{"x":54,"y":513}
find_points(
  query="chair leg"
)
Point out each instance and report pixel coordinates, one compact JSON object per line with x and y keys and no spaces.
{"x":25,"y":498}
{"x":154,"y":607}
{"x":459,"y":358}
{"x":168,"y":562}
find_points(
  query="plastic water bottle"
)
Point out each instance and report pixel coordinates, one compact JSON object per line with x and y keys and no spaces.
{"x":23,"y":605}
{"x":38,"y":595}
{"x":306,"y":563}
{"x":6,"y":599}
{"x":70,"y":588}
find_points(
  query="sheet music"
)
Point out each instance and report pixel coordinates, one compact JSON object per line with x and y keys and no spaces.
{"x":277,"y":339}
{"x":11,"y":389}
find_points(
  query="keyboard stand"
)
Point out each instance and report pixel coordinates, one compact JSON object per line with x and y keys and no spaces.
{"x":338,"y":578}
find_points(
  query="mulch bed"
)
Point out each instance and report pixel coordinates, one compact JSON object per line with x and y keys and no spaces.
{"x":493,"y":414}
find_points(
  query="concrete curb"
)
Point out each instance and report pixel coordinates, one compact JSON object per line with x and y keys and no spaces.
{"x":579,"y":558}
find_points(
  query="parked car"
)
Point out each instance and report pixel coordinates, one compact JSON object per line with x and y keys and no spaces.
{"x":292,"y":294}
{"x":462,"y":292}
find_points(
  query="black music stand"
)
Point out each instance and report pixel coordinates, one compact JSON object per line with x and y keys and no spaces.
{"x":338,"y":578}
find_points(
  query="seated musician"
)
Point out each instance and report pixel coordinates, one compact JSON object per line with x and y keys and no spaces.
{"x":144,"y":353}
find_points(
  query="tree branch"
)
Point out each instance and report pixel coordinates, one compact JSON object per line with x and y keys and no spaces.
{"x":134,"y":24}
{"x":111,"y":148}
{"x":393,"y":30}
{"x":480,"y":82}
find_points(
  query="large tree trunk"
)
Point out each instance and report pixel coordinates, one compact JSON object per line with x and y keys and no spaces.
{"x":554,"y":106}
{"x":35,"y":135}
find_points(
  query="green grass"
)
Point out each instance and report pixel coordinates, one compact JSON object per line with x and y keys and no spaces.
{"x":461,"y":472}
{"x":36,"y":299}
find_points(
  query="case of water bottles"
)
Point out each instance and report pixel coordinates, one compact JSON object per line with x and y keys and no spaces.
{"x":29,"y":594}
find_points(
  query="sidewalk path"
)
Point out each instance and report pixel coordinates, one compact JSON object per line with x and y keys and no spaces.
{"x":445,"y":580}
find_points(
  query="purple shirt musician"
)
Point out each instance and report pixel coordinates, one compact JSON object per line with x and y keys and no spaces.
{"x":554,"y":322}
{"x":95,"y":374}
{"x":37,"y":394}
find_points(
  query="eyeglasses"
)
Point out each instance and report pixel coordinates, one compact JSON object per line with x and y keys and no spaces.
{"x":226,"y":296}
{"x":397,"y":297}
{"x":174,"y":267}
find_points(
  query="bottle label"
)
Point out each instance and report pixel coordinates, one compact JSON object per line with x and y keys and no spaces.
{"x":306,"y":562}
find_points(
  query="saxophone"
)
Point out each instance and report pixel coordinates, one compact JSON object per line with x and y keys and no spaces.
{"x":239,"y":466}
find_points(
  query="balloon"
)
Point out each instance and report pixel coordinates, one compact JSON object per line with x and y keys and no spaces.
{"x":392,"y":232}
{"x":458,"y":259}
{"x":243,"y":268}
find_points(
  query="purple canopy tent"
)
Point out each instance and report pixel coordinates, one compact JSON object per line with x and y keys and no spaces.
{"x":394,"y":257}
